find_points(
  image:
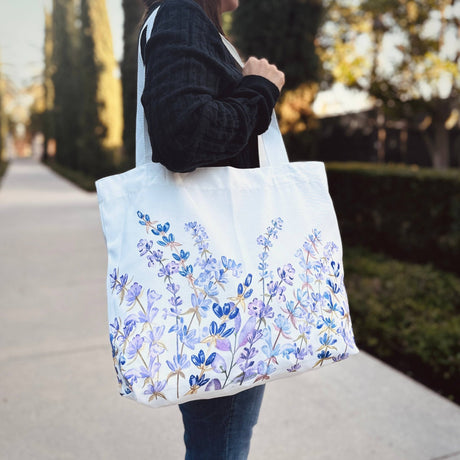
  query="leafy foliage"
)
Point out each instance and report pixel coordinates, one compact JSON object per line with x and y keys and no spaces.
{"x":410,"y":213}
{"x":407,"y":315}
{"x":65,"y":81}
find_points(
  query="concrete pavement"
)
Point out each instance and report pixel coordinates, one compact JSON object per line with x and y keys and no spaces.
{"x":58,"y":391}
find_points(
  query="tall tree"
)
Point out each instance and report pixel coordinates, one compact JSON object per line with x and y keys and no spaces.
{"x":3,"y":121}
{"x":48,"y":120}
{"x":102,"y":118}
{"x":424,"y":77}
{"x":65,"y":81}
{"x":283,"y":32}
{"x":133,"y":11}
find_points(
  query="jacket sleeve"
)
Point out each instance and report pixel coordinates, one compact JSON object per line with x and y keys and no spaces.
{"x":195,"y":113}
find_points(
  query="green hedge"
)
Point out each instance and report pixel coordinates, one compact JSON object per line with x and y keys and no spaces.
{"x":407,"y":212}
{"x":408,"y":315}
{"x":3,"y":166}
{"x":79,"y":178}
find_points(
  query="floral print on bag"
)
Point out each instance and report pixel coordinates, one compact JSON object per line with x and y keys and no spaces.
{"x":228,"y":327}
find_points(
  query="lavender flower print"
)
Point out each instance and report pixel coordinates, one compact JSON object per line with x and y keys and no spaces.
{"x":222,"y":323}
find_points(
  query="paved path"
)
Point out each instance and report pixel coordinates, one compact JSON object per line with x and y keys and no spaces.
{"x":58,"y":392}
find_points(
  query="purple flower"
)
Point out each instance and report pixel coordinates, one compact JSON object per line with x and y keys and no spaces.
{"x":169,"y":270}
{"x":173,"y":288}
{"x":153,"y":339}
{"x":133,"y":293}
{"x":152,"y":297}
{"x":179,"y":363}
{"x":277,"y":291}
{"x":340,"y":357}
{"x":156,"y":256}
{"x":219,"y":364}
{"x":113,"y":279}
{"x":294,"y":368}
{"x":154,"y":367}
{"x":201,"y":303}
{"x":155,"y":389}
{"x":118,"y":284}
{"x":144,"y":246}
{"x":256,"y":307}
{"x":264,"y":369}
{"x":188,"y":338}
{"x":134,"y":346}
{"x":287,"y":274}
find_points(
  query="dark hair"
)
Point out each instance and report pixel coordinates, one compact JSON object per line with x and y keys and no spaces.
{"x":212,"y":8}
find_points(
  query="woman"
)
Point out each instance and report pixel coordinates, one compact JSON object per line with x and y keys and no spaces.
{"x":203,"y":109}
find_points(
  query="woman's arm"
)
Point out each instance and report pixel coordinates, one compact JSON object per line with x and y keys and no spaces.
{"x":199,"y":109}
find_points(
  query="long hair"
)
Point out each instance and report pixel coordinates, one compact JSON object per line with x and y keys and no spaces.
{"x":212,"y":8}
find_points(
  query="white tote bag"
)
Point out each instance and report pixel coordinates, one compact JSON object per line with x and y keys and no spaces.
{"x":222,"y":278}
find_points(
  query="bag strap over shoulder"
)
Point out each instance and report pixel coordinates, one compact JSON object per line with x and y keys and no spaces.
{"x":143,"y":146}
{"x":272,"y":151}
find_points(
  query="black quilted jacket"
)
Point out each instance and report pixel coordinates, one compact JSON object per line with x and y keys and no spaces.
{"x":200,"y":110}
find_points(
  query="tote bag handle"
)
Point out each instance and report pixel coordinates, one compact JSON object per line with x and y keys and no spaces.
{"x":272,"y":151}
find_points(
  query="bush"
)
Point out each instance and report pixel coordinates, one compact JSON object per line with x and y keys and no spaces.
{"x":407,"y":212}
{"x":3,"y":166}
{"x":408,"y":315}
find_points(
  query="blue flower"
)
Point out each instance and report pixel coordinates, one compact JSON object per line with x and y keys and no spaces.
{"x":220,"y":276}
{"x":149,"y":315}
{"x":156,"y":256}
{"x":334,"y":286}
{"x":209,"y":264}
{"x":121,"y":283}
{"x":113,"y":279}
{"x":287,"y":274}
{"x":169,"y":270}
{"x":201,"y":361}
{"x":248,"y":354}
{"x":179,"y":363}
{"x":188,"y":337}
{"x":175,"y":301}
{"x":154,"y":367}
{"x":201,"y":303}
{"x":231,"y":265}
{"x":196,"y":382}
{"x":228,"y":311}
{"x":328,"y":323}
{"x":134,"y":346}
{"x":152,"y":297}
{"x":131,"y":375}
{"x":181,"y":256}
{"x":153,"y":339}
{"x":155,"y":390}
{"x":264,"y":369}
{"x":340,"y":357}
{"x":211,"y":289}
{"x":133,"y":293}
{"x":161,"y":229}
{"x":144,"y":246}
{"x":282,"y":324}
{"x":187,"y":271}
{"x":325,"y":354}
{"x":220,"y":331}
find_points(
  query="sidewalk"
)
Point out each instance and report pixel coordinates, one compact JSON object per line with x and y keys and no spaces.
{"x":58,"y":391}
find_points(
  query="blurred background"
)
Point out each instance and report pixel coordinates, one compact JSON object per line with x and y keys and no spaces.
{"x":372,"y":89}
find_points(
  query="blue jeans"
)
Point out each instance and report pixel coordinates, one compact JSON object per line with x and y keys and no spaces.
{"x":221,"y":428}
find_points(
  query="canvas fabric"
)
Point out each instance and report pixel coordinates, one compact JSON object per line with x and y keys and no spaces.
{"x":222,"y":278}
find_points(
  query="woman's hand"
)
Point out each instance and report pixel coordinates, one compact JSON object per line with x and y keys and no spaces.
{"x":264,"y":69}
